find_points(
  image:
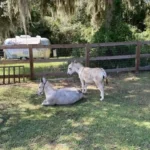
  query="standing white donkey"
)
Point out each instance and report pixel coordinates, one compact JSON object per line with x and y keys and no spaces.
{"x":61,"y":96}
{"x":88,"y":76}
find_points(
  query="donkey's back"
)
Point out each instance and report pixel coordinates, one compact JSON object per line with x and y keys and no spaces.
{"x":90,"y":75}
{"x":67,"y":96}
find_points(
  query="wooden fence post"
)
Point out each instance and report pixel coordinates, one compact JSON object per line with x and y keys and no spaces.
{"x":31,"y":63}
{"x":3,"y":75}
{"x":137,"y":58}
{"x":87,"y":55}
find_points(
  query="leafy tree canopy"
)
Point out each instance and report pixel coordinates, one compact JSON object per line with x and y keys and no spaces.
{"x":67,"y":21}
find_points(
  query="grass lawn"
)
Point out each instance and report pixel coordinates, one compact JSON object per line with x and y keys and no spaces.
{"x":120,"y":122}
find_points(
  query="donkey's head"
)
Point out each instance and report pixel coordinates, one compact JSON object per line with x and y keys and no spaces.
{"x":41,"y":86}
{"x":74,"y":67}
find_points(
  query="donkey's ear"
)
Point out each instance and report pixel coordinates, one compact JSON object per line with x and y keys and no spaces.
{"x":75,"y":61}
{"x":69,"y":61}
{"x":44,"y":80}
{"x":81,"y":61}
{"x":41,"y":79}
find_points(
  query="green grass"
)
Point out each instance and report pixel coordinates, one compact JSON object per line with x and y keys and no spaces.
{"x":120,"y":122}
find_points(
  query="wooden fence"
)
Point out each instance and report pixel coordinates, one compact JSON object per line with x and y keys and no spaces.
{"x":12,"y":72}
{"x":87,"y":57}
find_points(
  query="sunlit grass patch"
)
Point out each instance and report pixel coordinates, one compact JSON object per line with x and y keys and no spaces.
{"x":120,"y":122}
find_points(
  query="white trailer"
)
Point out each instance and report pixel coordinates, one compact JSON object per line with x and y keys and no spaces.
{"x":24,"y":53}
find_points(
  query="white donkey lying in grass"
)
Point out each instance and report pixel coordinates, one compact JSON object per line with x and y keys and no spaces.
{"x":61,"y":96}
{"x":89,"y":75}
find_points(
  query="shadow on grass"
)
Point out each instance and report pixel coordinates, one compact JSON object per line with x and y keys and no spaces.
{"x":78,"y":127}
{"x":119,"y":122}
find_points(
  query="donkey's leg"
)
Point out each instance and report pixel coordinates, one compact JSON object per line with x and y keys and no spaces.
{"x":47,"y":103}
{"x":82,"y":85}
{"x":100,"y":86}
{"x":85,"y":87}
{"x":102,"y":93}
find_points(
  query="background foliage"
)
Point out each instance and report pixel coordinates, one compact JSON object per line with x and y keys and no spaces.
{"x":76,"y":21}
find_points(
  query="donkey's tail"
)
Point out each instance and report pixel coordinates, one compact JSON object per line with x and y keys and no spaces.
{"x":104,"y":75}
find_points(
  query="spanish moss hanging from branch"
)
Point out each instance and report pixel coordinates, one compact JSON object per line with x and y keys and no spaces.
{"x":65,"y":6}
{"x":22,"y":8}
{"x":24,"y":13}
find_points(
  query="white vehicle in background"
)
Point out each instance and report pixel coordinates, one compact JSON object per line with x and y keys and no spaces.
{"x":24,"y":53}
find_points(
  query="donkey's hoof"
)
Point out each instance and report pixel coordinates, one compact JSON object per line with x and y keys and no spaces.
{"x":84,"y":92}
{"x":101,"y":99}
{"x":45,"y":103}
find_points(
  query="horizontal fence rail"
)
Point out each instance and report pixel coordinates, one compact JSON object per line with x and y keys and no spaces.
{"x":87,"y":58}
{"x":79,"y":59}
{"x":92,"y":45}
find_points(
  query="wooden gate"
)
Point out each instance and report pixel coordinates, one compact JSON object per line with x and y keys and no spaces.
{"x":12,"y":74}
